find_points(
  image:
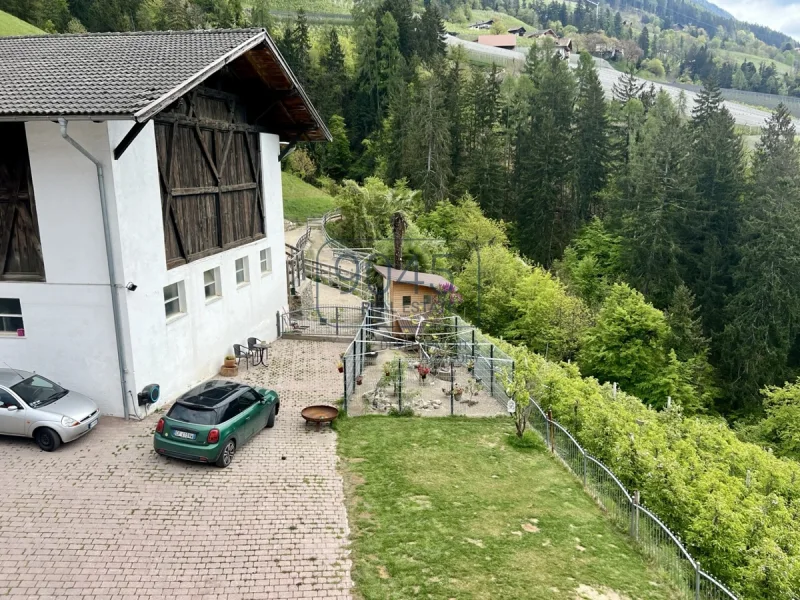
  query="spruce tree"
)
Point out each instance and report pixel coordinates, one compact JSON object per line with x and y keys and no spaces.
{"x":430,"y":44}
{"x":591,"y":139}
{"x":644,"y":42}
{"x":260,"y":15}
{"x":764,"y":312}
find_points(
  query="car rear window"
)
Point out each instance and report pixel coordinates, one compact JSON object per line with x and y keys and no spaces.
{"x":197,"y":416}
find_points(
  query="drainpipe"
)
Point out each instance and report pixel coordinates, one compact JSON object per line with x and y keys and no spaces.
{"x":101,"y":182}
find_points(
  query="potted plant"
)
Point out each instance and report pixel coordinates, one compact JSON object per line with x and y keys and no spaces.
{"x":423,"y":371}
{"x":340,"y":367}
{"x":359,"y":380}
{"x":458,"y":392}
{"x":230,"y":361}
{"x":471,"y":366}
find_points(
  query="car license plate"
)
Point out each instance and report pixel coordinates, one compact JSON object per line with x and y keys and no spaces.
{"x":184,"y":434}
{"x":92,"y":424}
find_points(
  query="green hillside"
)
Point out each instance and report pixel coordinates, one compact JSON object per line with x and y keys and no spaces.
{"x":302,"y":200}
{"x":11,"y":25}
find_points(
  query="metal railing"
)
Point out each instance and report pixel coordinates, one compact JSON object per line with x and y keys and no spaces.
{"x":324,"y":321}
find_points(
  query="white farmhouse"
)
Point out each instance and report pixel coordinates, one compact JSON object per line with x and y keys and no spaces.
{"x":141,"y":217}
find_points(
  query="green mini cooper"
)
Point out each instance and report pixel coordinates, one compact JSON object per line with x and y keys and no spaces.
{"x":208,"y":423}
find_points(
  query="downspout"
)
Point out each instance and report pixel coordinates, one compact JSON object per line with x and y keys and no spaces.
{"x":112,"y":277}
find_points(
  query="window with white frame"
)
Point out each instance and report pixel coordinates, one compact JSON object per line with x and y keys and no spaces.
{"x":174,"y":302}
{"x":266,"y":261}
{"x":242,"y":271}
{"x":11,"y":317}
{"x":212,"y":284}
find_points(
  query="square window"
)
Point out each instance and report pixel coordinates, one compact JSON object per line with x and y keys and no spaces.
{"x":211,"y":284}
{"x":427,"y":299}
{"x":406,"y":301}
{"x":174,"y":303}
{"x":266,"y":261}
{"x":11,"y":317}
{"x":242,"y":271}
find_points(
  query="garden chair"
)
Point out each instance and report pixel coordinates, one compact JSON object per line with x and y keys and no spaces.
{"x":240,"y":352}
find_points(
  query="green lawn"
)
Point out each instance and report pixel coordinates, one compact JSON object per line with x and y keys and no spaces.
{"x":11,"y":25}
{"x":302,"y":200}
{"x":445,"y":508}
{"x":739,"y":57}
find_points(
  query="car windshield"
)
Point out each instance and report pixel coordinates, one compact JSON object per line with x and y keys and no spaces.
{"x":38,"y":391}
{"x":196,"y":416}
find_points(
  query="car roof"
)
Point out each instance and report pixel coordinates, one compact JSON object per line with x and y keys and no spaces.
{"x":212,"y":393}
{"x":11,"y":377}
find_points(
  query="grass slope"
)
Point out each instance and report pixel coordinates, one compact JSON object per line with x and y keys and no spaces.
{"x":445,"y":508}
{"x":11,"y":25}
{"x":302,"y":200}
{"x":739,"y":57}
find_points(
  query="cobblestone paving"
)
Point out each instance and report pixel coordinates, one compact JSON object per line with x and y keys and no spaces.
{"x":106,"y":518}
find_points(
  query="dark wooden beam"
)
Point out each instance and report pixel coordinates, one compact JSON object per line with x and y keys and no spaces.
{"x":128,"y":139}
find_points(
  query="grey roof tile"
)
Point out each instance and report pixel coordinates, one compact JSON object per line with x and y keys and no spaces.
{"x":104,"y":74}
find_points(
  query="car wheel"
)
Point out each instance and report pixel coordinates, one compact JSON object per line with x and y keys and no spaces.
{"x":271,"y":418}
{"x":47,"y":439}
{"x":226,"y":456}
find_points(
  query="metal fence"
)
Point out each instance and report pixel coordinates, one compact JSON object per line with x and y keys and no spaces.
{"x":467,"y":347}
{"x":324,"y":321}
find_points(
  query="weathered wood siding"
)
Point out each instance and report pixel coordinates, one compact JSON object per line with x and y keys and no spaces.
{"x":210,"y":174}
{"x":20,"y":245}
{"x":417,"y":294}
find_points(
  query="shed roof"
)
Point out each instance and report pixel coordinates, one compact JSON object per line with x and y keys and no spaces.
{"x":134,"y":76}
{"x":498,"y":40}
{"x":419,"y":278}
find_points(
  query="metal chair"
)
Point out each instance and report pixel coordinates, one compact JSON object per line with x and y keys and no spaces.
{"x":240,"y":352}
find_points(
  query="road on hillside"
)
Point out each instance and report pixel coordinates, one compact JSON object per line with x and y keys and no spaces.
{"x":743,"y":114}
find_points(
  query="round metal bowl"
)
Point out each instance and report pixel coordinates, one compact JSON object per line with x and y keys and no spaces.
{"x":319,"y":414}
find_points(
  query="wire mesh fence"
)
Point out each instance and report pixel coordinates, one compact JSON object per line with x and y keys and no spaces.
{"x":432,"y":370}
{"x":330,"y":321}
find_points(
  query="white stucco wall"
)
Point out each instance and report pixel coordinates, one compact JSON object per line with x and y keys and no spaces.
{"x":69,"y":327}
{"x":189,"y":349}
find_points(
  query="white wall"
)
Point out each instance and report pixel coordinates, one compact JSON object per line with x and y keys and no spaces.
{"x":189,"y":349}
{"x":69,"y":327}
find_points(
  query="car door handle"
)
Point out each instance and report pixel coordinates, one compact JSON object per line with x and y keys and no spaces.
{"x":247,"y":419}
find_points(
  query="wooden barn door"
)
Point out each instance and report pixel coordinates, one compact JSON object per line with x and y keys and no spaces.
{"x":210,"y":173}
{"x":20,"y":246}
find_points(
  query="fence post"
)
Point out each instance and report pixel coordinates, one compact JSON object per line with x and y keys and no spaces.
{"x":337,"y":320}
{"x":344,"y":361}
{"x":584,"y":467}
{"x":635,"y":516}
{"x":452,"y":391}
{"x":278,"y":321}
{"x":550,"y":432}
{"x":696,"y":580}
{"x":491,"y":370}
{"x":400,"y":384}
{"x":473,"y":347}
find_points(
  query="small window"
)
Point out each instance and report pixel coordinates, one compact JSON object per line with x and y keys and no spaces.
{"x":427,"y":299}
{"x":406,"y":301}
{"x":242,"y":271}
{"x":266,"y":261}
{"x":232,"y":410}
{"x":11,"y":317}
{"x":174,"y":303}
{"x":211,"y":283}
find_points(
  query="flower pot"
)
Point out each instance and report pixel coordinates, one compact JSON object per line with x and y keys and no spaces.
{"x":359,"y":380}
{"x":458,"y":397}
{"x":229,"y":362}
{"x":340,"y":369}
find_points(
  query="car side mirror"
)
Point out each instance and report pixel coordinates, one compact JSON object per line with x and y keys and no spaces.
{"x":263,"y":401}
{"x":12,"y":408}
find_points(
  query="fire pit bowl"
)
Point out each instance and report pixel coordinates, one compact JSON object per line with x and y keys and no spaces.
{"x":319,"y":414}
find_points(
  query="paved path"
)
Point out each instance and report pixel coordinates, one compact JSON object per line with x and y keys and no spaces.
{"x":106,"y":518}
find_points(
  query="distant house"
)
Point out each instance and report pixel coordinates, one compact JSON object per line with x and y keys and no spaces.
{"x":608,"y":51}
{"x":482,"y":24}
{"x":407,"y":291}
{"x":542,"y":33}
{"x":519,"y":31}
{"x":564,"y":47}
{"x":506,"y":41}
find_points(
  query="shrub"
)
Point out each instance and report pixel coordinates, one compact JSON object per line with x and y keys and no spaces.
{"x":301,"y":164}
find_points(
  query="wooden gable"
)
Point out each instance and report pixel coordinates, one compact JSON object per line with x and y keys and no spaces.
{"x":20,"y":245}
{"x":210,"y":174}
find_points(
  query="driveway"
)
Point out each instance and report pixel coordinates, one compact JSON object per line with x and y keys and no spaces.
{"x":105,"y":517}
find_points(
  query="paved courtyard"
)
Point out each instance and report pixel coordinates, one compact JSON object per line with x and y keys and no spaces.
{"x":105,"y":517}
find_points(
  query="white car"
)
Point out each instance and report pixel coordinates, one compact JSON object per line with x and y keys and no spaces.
{"x":35,"y":407}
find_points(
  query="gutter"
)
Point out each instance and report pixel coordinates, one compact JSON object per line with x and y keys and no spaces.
{"x":112,"y":276}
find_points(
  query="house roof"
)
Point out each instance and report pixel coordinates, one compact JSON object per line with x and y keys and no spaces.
{"x":564,"y":43}
{"x":134,"y":76}
{"x":498,"y":40}
{"x":418,"y":278}
{"x":541,"y":32}
{"x":518,"y":28}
